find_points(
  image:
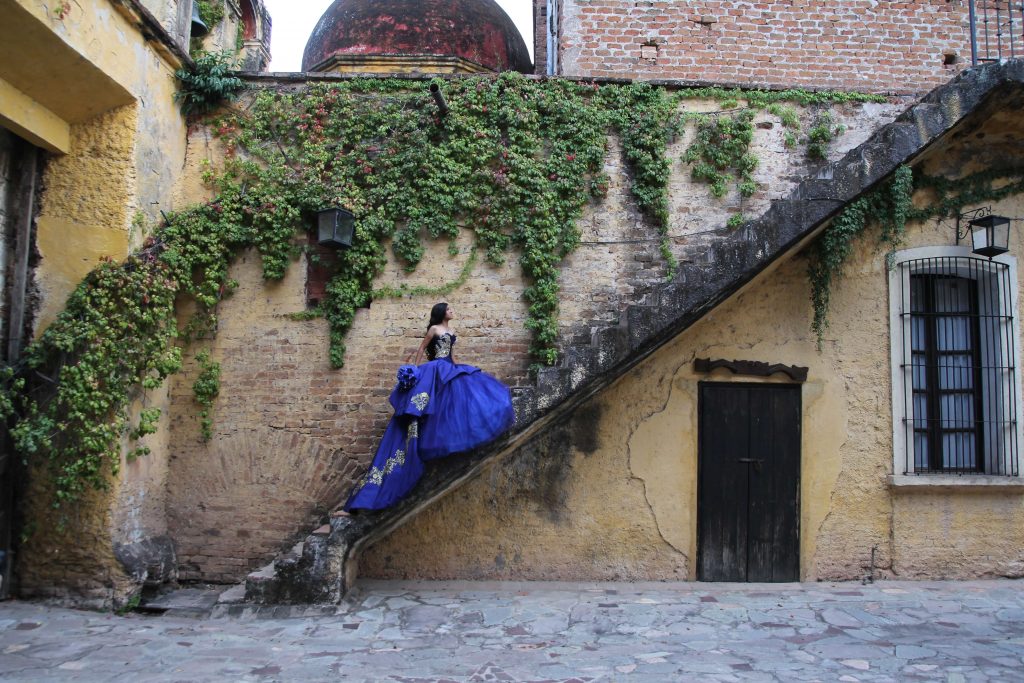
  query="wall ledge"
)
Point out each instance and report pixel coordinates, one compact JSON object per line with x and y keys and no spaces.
{"x":955,"y":482}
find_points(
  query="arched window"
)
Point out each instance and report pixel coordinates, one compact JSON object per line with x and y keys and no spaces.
{"x":248,"y":20}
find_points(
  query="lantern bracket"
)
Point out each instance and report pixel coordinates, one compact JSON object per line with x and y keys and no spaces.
{"x":968,"y":216}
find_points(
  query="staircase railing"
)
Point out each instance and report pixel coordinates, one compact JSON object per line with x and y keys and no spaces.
{"x":997,"y":30}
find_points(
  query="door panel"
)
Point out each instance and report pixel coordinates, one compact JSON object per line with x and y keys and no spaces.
{"x":748,"y":495}
{"x":723,"y":485}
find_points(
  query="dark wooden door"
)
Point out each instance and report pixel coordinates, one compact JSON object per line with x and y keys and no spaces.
{"x":748,"y":505}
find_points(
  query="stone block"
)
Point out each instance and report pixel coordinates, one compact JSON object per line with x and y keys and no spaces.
{"x":151,"y":561}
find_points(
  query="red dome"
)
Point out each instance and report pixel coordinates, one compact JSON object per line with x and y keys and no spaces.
{"x":475,"y":30}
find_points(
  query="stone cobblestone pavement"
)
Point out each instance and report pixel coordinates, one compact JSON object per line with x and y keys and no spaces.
{"x":419,"y":632}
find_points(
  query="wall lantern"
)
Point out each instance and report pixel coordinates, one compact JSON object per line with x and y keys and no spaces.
{"x":990,"y":235}
{"x":335,"y":227}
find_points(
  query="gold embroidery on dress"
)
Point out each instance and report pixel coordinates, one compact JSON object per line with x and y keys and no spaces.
{"x":421,"y":400}
{"x":414,"y":431}
{"x":396,"y":460}
{"x":443,"y":346}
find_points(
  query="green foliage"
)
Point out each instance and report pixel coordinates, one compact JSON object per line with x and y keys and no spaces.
{"x":130,"y":605}
{"x":115,"y":335}
{"x":722,"y":149}
{"x":735,"y":221}
{"x":208,"y":83}
{"x":646,"y":119}
{"x":787,"y":115}
{"x":821,"y":134}
{"x":211,"y":12}
{"x":951,"y":196}
{"x":205,"y":389}
{"x":888,"y":206}
{"x":443,"y":290}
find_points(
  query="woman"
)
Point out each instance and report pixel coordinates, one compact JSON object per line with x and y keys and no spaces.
{"x":441,"y":407}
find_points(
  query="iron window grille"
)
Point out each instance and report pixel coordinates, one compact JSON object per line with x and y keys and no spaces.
{"x":957,"y":366}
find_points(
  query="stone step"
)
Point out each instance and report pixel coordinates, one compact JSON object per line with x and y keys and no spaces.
{"x":611,"y":344}
{"x":524,"y":404}
{"x":189,"y":601}
{"x":553,"y":385}
{"x":581,"y":361}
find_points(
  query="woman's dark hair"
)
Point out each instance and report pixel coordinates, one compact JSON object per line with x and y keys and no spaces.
{"x":437,"y":314}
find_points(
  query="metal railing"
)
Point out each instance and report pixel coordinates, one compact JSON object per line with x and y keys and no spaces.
{"x":997,"y":30}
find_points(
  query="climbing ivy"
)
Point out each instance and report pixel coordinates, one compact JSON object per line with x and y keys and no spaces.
{"x":514,"y":162}
{"x":821,"y":134}
{"x":206,"y":388}
{"x":887,"y":206}
{"x":890,"y":206}
{"x":211,"y":12}
{"x":647,"y":119}
{"x":722,"y":149}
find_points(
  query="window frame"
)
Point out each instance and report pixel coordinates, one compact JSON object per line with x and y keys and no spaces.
{"x":902,"y":423}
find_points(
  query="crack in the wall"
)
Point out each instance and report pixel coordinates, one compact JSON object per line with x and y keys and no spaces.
{"x":629,"y":453}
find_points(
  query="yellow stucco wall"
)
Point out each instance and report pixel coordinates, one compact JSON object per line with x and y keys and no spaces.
{"x":113,"y":89}
{"x":613,"y":494}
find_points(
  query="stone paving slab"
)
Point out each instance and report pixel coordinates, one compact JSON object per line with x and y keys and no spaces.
{"x":461,"y":632}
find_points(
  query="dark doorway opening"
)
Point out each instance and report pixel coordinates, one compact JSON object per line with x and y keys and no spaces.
{"x":748,"y":496}
{"x":20,"y":171}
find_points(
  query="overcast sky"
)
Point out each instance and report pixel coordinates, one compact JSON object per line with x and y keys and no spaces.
{"x":293,"y":21}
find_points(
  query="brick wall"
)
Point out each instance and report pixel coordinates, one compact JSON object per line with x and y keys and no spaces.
{"x":863,"y":45}
{"x":540,"y":33}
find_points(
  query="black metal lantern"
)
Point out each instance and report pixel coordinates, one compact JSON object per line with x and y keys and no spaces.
{"x":990,"y":235}
{"x":335,"y":227}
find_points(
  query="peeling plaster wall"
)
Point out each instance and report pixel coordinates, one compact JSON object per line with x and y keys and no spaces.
{"x":624,"y":505}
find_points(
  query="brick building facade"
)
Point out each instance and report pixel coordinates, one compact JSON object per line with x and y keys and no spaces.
{"x":863,"y":45}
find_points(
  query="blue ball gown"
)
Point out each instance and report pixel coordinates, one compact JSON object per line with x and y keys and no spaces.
{"x":441,"y":407}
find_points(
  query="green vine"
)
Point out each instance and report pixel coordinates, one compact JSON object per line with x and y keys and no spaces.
{"x":888,"y":206}
{"x":647,"y":119}
{"x":821,"y":134}
{"x":735,"y":221}
{"x":207,"y":84}
{"x":447,"y":288}
{"x":205,"y":389}
{"x":514,"y":161}
{"x":722,"y":149}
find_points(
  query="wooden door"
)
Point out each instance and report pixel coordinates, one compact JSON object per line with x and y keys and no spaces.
{"x":748,"y":496}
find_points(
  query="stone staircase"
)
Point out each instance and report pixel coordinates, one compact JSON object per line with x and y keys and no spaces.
{"x":322,"y":568}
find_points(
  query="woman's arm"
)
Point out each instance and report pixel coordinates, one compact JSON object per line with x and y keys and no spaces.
{"x":422,"y":347}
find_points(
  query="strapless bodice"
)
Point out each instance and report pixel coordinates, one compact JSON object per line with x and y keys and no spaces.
{"x":441,"y":346}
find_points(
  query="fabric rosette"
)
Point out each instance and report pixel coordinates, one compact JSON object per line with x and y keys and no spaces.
{"x":407,"y":377}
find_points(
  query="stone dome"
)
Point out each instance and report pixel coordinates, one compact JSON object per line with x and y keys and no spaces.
{"x":474,"y":31}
